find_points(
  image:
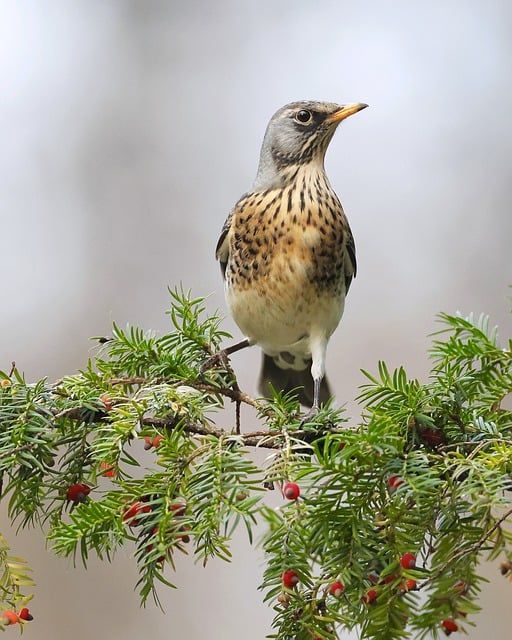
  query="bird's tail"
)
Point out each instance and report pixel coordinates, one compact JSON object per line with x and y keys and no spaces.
{"x":290,"y":380}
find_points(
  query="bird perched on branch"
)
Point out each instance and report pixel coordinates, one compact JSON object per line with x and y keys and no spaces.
{"x":287,"y":253}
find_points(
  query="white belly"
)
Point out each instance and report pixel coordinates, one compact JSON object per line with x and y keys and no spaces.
{"x":284,"y":318}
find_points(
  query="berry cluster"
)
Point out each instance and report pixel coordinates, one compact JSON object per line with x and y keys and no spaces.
{"x":137,"y":515}
{"x":152,"y":443}
{"x":11,"y":617}
{"x":407,"y":562}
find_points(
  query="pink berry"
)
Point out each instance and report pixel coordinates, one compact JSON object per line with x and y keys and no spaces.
{"x":408,"y":561}
{"x":290,"y":578}
{"x":291,"y":491}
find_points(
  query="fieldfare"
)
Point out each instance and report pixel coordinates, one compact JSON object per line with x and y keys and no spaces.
{"x":287,"y":253}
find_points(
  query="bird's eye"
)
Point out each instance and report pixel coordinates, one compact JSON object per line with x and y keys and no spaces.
{"x":303,"y":116}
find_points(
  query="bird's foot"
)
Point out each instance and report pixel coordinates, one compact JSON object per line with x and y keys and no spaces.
{"x":309,"y":415}
{"x":219,"y":358}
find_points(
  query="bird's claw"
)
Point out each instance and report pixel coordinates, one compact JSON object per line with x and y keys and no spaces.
{"x":221,"y":357}
{"x":309,"y":415}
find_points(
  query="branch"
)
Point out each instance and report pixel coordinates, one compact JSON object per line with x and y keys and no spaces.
{"x":264,"y":439}
{"x":233,"y":394}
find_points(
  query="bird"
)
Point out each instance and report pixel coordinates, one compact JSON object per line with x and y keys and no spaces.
{"x":287,"y":253}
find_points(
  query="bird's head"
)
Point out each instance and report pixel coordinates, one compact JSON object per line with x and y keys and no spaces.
{"x":298,"y":134}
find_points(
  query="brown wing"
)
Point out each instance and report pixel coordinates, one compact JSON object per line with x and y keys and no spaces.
{"x":350,"y":264}
{"x":222,"y":249}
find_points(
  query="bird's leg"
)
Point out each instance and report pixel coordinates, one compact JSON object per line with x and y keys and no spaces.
{"x":318,"y":344}
{"x":309,"y":415}
{"x":221,"y":357}
{"x":237,"y":347}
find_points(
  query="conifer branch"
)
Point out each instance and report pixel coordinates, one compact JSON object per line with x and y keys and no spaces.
{"x":402,"y":499}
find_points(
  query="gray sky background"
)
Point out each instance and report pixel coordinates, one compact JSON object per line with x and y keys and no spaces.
{"x":129,"y":128}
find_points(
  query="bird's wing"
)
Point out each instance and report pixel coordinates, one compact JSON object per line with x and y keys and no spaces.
{"x":222,"y":249}
{"x":350,"y":264}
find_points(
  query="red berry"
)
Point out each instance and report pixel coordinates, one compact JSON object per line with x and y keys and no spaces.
{"x":179,"y":507}
{"x":9,"y":617}
{"x":394,"y":482}
{"x":157,"y":440}
{"x":291,"y":491}
{"x":408,"y":561}
{"x":461,"y":588}
{"x":290,"y":578}
{"x":25,"y":614}
{"x":107,"y":401}
{"x":336,"y":589}
{"x":433,"y":437}
{"x":409,"y":585}
{"x":78,"y":493}
{"x":150,"y":442}
{"x":132,"y":513}
{"x":107,"y":470}
{"x":183,"y":535}
{"x":388,"y":579}
{"x":369,"y":597}
{"x":373,"y":578}
{"x":449,"y":626}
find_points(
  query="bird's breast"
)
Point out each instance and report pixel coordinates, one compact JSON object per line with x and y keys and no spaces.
{"x":285,"y":271}
{"x":295,"y":235}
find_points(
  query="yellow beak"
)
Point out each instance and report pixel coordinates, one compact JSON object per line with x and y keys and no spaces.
{"x":345,"y":111}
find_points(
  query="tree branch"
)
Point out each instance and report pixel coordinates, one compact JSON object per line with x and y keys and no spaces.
{"x":262,"y":439}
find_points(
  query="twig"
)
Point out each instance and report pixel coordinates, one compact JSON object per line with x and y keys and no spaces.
{"x":234,"y":394}
{"x":265,"y":439}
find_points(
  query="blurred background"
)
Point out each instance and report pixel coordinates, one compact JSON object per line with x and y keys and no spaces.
{"x":130,"y":127}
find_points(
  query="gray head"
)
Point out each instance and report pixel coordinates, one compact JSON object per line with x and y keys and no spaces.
{"x":298,"y":134}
